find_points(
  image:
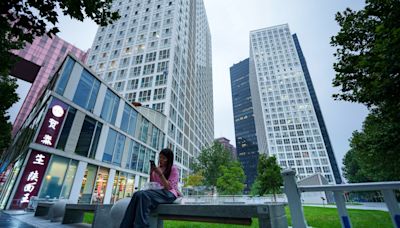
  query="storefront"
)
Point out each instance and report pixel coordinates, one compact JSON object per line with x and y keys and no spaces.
{"x":82,"y":143}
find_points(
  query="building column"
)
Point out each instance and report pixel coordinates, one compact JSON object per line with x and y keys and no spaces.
{"x":77,"y":184}
{"x":110,"y":183}
{"x":136,"y":185}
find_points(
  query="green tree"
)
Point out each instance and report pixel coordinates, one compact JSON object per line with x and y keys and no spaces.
{"x":195,"y":179}
{"x":209,"y":162}
{"x":368,"y":72}
{"x":374,"y":153}
{"x":255,"y":188}
{"x":368,"y":53}
{"x":351,"y":169}
{"x":232,"y":180}
{"x":22,"y":21}
{"x":8,"y":97}
{"x":268,"y":175}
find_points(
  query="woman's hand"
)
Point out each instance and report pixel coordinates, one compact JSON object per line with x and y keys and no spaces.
{"x":158,"y":171}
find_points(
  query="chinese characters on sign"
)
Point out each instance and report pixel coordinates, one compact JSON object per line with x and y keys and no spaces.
{"x":52,"y":123}
{"x":31,"y":179}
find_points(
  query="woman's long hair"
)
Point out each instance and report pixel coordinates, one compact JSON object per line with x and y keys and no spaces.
{"x":170,"y":161}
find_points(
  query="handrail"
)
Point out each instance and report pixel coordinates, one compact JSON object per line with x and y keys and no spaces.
{"x":293,"y":193}
{"x":352,"y":187}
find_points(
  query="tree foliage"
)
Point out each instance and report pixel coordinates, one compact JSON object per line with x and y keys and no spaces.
{"x":8,"y":97}
{"x":269,"y":179}
{"x":368,"y":53}
{"x":368,"y":72}
{"x":374,"y":153}
{"x":231,"y":182}
{"x":209,"y":162}
{"x":195,"y":179}
{"x":22,"y":21}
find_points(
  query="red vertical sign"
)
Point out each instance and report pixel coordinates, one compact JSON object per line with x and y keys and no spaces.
{"x":31,"y":179}
{"x":52,"y":123}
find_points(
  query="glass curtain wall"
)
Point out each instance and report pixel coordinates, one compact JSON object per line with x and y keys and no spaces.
{"x":59,"y":177}
{"x":88,"y":184}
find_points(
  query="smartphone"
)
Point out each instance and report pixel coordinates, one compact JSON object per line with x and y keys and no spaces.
{"x":152,"y":164}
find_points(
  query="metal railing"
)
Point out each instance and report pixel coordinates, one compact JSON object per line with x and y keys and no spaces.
{"x":233,"y":199}
{"x":293,"y":193}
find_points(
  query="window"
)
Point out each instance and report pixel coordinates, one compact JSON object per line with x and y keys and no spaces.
{"x":150,"y":57}
{"x":146,"y":82}
{"x":144,"y":128}
{"x":144,"y":96}
{"x":135,"y":71}
{"x":159,"y":94}
{"x":128,"y":122}
{"x":130,"y":96}
{"x":63,"y":80}
{"x":86,"y":91}
{"x":162,"y":67}
{"x":148,"y":69}
{"x":119,"y":86}
{"x":62,"y":140}
{"x":110,"y":107}
{"x":59,"y":177}
{"x":161,"y":79}
{"x":88,"y":138}
{"x":164,"y":54}
{"x":133,"y":84}
{"x":114,"y":147}
{"x":158,"y":107}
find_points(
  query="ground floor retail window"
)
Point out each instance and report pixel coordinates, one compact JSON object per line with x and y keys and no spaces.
{"x":101,"y":185}
{"x":123,"y":186}
{"x":59,"y":177}
{"x":88,"y":184}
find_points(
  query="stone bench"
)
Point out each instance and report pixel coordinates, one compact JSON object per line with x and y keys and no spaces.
{"x":269,"y":215}
{"x":42,"y":208}
{"x":74,"y":213}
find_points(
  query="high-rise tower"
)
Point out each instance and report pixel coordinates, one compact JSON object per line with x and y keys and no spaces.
{"x":159,"y":54}
{"x":245,"y":131}
{"x":289,"y":122}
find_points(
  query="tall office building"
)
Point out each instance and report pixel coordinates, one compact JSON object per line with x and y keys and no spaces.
{"x":288,"y":119}
{"x":245,"y":130}
{"x":47,"y":53}
{"x":159,"y":54}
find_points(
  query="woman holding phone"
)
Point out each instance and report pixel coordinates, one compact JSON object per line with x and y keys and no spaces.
{"x":167,"y":175}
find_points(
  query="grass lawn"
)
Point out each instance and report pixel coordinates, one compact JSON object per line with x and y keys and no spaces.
{"x":315,"y":216}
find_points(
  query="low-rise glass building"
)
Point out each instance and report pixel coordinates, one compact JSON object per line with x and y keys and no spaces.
{"x":82,"y":142}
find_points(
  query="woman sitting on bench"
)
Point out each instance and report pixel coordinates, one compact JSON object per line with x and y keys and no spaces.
{"x":167,"y":176}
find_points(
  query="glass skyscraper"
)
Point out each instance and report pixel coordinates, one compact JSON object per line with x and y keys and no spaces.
{"x":288,"y":119}
{"x":159,"y":54}
{"x":245,"y":131}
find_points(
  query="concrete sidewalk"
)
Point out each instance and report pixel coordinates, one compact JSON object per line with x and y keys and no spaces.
{"x":24,"y":219}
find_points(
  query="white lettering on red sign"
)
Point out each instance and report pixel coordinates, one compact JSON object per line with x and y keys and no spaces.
{"x":33,"y":176}
{"x":53,"y":123}
{"x":25,"y":198}
{"x":29,"y":187}
{"x":39,"y":159}
{"x":47,"y":140}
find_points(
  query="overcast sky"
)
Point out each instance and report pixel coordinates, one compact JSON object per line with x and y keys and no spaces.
{"x":230,"y":22}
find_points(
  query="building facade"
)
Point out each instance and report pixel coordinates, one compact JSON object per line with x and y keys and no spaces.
{"x":227,"y":145}
{"x":288,"y":119}
{"x":245,"y":130}
{"x":82,"y":142}
{"x":48,"y":53}
{"x":159,"y":54}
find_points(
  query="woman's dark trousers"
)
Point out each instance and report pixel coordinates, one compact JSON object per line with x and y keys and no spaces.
{"x":142,"y":202}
